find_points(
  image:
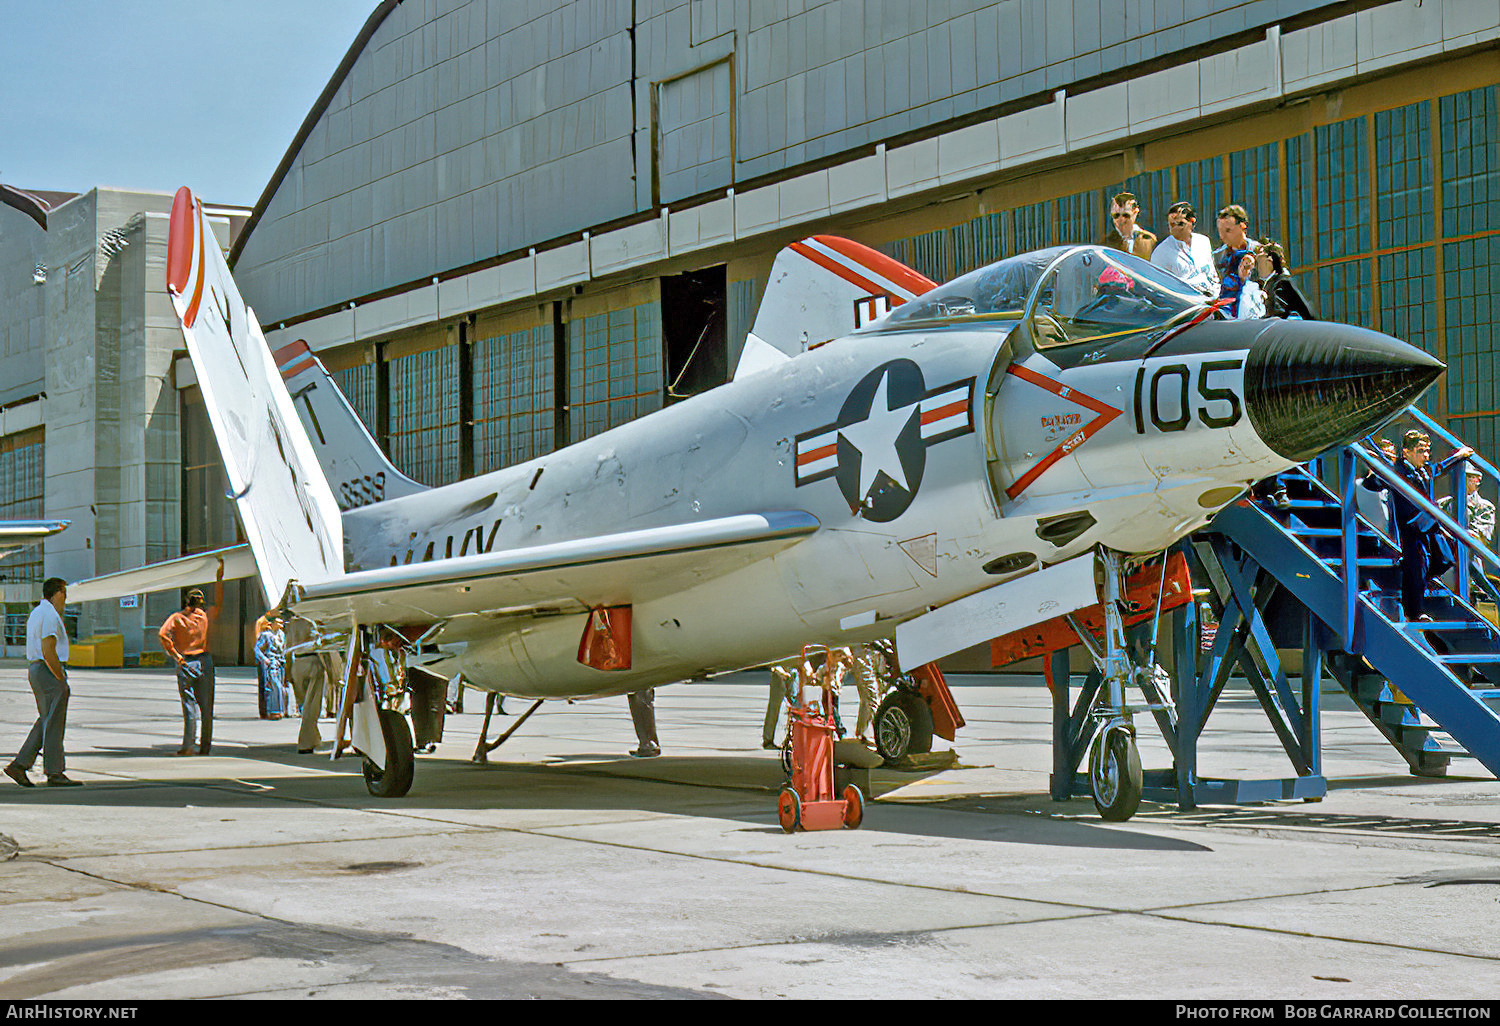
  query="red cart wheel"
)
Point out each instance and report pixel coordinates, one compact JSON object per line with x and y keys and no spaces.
{"x":854,"y":807}
{"x":789,"y":809}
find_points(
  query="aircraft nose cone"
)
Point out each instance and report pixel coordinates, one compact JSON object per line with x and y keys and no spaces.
{"x":1311,"y":385}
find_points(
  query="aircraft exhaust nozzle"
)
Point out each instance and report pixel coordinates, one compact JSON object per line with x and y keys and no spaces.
{"x":1312,"y":385}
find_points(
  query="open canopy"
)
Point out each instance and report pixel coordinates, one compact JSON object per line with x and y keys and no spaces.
{"x":1072,"y":294}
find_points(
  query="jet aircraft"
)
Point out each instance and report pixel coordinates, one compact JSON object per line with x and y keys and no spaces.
{"x":892,"y":459}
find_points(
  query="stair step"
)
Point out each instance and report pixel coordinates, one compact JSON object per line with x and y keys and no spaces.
{"x":1471,"y":658}
{"x":1375,"y":562}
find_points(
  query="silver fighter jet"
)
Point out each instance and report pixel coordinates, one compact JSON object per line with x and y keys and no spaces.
{"x":934,"y":464}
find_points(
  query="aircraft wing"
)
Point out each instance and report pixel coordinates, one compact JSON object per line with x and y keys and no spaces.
{"x":18,"y":534}
{"x":183,"y":572}
{"x":569,"y":576}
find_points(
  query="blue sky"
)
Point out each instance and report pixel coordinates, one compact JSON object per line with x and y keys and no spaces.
{"x":154,"y":94}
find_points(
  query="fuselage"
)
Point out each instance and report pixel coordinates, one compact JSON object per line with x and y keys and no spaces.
{"x":1009,"y":420}
{"x":947,"y":529}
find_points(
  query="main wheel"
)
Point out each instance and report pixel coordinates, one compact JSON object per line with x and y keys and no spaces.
{"x":789,"y":809}
{"x":1115,"y":775}
{"x":903,"y":725}
{"x":854,"y":807}
{"x":400,"y":765}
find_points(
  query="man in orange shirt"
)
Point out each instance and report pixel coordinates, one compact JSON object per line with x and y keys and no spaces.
{"x":184,"y":637}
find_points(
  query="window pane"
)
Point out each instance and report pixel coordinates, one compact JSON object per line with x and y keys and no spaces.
{"x":424,"y":415}
{"x":1469,"y":282}
{"x":1343,"y":190}
{"x":1255,"y":184}
{"x":1403,"y":175}
{"x":22,"y":477}
{"x":1201,"y":184}
{"x":1302,"y":232}
{"x":1471,"y":162}
{"x":513,"y":398}
{"x":614,"y":368}
{"x":1407,"y":304}
{"x":1344,"y":292}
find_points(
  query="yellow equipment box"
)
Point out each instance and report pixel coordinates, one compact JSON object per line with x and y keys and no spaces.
{"x":99,"y":650}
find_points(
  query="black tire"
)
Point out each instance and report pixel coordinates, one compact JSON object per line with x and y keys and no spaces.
{"x":400,"y":765}
{"x":903,"y":726}
{"x":789,"y":810}
{"x":1115,"y":776}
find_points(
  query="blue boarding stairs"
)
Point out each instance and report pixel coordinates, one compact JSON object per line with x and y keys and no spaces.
{"x":1321,"y":577}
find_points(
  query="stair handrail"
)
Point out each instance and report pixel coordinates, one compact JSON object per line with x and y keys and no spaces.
{"x":1453,"y":440}
{"x":1388,"y":474}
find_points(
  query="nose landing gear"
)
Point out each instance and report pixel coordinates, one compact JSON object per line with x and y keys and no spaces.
{"x":1115,"y":777}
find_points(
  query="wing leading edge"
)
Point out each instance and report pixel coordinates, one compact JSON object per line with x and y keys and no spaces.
{"x":18,"y":534}
{"x":632,"y":566}
{"x":183,"y":572}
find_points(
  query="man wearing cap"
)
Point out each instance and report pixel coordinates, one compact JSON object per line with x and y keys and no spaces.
{"x":184,"y":637}
{"x":1481,"y":514}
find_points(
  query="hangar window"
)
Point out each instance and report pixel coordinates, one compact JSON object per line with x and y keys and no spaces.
{"x":614,"y":368}
{"x":21,"y":477}
{"x":513,"y":398}
{"x":424,"y":415}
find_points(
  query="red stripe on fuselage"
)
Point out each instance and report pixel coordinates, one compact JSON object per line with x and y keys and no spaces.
{"x":943,"y":412}
{"x":1106,"y":413}
{"x":818,"y":454}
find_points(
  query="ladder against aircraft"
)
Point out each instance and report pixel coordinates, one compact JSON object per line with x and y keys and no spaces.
{"x":1318,"y":578}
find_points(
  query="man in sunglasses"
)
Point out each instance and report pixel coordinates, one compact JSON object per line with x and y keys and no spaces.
{"x":1125,"y":234}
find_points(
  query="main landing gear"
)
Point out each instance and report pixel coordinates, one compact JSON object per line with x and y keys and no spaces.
{"x":379,"y":691}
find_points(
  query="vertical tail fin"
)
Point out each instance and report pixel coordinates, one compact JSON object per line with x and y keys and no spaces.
{"x":288,"y":511}
{"x":823,"y":288}
{"x":357,"y":471}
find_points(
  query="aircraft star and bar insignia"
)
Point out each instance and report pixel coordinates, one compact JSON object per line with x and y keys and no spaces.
{"x":877,"y":447}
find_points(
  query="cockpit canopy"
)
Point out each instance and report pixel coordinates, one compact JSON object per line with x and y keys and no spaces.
{"x":1070,"y":295}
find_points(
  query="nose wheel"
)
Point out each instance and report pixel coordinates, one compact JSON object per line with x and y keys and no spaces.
{"x":1115,"y":775}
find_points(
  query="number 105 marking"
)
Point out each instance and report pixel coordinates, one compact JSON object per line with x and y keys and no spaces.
{"x":1174,"y":379}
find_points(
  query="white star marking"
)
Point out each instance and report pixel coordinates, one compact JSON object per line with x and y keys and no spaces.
{"x":875,"y":438}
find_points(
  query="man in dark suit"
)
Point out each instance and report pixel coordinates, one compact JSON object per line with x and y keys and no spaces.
{"x":1125,"y":235}
{"x":1426,"y":552}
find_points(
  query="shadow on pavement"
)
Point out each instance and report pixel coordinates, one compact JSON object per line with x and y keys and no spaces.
{"x":711,"y":787}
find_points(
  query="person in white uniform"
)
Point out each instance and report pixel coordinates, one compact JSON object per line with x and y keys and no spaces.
{"x":1185,"y":253}
{"x":46,"y":654}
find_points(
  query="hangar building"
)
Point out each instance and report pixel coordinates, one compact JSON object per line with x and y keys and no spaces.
{"x":507,"y":226}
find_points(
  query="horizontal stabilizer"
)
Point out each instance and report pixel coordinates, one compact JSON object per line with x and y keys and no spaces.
{"x":19,"y":534}
{"x":168,"y":575}
{"x":633,"y":566}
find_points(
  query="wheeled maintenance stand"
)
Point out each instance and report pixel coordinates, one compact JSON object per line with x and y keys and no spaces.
{"x":808,"y":800}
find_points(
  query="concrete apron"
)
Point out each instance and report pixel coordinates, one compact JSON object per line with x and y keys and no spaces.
{"x":564,"y":868}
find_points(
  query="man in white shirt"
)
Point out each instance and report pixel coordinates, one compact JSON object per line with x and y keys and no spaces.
{"x":46,"y":652}
{"x":1185,"y":253}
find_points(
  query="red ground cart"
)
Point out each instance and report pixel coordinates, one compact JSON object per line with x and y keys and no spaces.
{"x":808,"y":801}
